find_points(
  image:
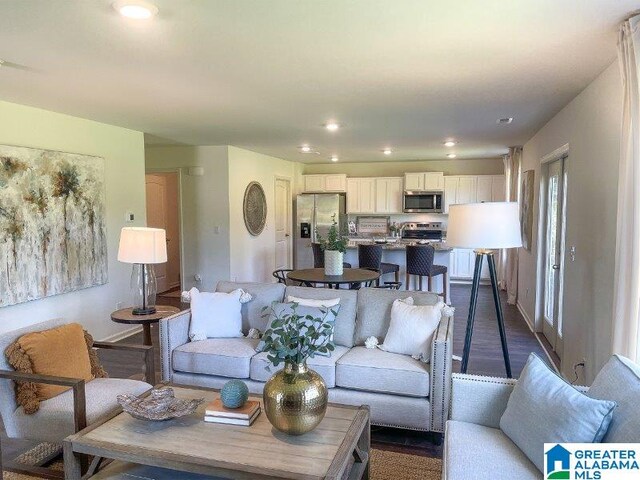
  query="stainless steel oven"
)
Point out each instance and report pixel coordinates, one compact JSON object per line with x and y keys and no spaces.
{"x":423,"y":202}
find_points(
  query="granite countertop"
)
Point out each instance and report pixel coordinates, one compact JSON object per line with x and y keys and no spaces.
{"x":438,"y":246}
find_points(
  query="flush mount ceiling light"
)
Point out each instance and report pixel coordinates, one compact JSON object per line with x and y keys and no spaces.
{"x":450,"y":143}
{"x":504,"y":121}
{"x":387,"y":151}
{"x":305,"y":148}
{"x":332,"y":126}
{"x":334,"y":158}
{"x":135,"y":9}
{"x":451,"y":155}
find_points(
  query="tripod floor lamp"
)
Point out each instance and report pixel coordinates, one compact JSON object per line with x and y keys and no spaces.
{"x":484,"y":227}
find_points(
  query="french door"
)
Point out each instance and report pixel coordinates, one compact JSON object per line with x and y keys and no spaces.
{"x":554,"y":253}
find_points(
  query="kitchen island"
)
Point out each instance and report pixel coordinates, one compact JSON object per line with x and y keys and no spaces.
{"x":396,"y":253}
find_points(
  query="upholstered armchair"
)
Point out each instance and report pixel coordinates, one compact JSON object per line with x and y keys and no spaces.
{"x":68,"y":412}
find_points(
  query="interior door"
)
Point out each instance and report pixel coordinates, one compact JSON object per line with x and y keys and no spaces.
{"x":283,"y":223}
{"x":554,"y":253}
{"x":156,"y":193}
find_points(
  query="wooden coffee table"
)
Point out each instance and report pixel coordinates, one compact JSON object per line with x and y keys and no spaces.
{"x":338,"y":448}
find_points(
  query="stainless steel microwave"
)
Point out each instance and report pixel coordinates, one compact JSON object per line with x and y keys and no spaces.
{"x":423,"y":202}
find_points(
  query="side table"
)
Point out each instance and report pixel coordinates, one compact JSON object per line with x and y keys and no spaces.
{"x":126,"y":316}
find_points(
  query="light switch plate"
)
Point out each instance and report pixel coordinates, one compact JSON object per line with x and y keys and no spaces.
{"x":129,"y":217}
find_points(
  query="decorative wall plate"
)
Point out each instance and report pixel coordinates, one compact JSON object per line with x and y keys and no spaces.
{"x":255,"y":208}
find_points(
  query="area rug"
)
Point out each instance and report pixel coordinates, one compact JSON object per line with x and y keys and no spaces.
{"x":385,"y":465}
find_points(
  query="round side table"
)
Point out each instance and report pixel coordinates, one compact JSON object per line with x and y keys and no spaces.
{"x":126,"y":316}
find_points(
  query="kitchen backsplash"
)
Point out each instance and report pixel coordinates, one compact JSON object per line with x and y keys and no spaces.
{"x":408,"y":217}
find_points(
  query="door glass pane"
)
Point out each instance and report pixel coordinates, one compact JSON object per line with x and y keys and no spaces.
{"x":553,"y":213}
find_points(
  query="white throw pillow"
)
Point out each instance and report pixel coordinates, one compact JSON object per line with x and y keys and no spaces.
{"x":215,"y":315}
{"x":411,"y":328}
{"x":310,"y":302}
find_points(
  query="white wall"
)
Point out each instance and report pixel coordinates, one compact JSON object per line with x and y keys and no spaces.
{"x":591,"y":125}
{"x":253,"y":258}
{"x":205,"y":206}
{"x":480,"y":166}
{"x":123,"y":152}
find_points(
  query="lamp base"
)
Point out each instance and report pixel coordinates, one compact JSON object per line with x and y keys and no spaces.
{"x":144,"y":311}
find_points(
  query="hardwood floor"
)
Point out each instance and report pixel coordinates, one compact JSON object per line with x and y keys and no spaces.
{"x":485,"y":359}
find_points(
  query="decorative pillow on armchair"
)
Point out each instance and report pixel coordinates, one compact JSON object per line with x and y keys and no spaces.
{"x":65,"y":351}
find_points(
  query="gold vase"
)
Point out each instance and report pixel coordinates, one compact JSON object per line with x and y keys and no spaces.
{"x":295,"y":399}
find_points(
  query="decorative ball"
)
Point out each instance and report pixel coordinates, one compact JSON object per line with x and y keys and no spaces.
{"x":234,"y":394}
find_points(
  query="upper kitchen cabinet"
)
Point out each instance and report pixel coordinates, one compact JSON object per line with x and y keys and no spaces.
{"x":325,"y":183}
{"x":389,"y":195}
{"x":473,"y":188}
{"x":424,"y":181}
{"x":361,"y":195}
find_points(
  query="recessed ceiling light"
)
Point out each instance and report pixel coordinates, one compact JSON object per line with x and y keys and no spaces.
{"x":334,"y":158}
{"x":387,"y":151}
{"x":332,"y":126}
{"x":504,"y":121}
{"x":451,"y":155}
{"x":305,"y":148}
{"x":449,"y":143}
{"x":135,"y":9}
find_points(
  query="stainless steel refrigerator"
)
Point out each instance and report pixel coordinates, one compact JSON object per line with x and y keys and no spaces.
{"x":314,"y":215}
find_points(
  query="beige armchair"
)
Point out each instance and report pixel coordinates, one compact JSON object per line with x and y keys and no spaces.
{"x":67,"y":413}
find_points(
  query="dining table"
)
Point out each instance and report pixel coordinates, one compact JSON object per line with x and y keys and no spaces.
{"x":311,"y":277}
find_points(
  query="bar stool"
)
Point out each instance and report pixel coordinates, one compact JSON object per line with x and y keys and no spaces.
{"x":370,"y":257}
{"x":318,"y":257}
{"x":420,"y":262}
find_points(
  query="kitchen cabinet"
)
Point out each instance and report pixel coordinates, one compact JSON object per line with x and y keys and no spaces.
{"x":361,"y":195}
{"x":463,"y":262}
{"x":389,"y":195}
{"x":473,"y":188}
{"x":325,"y":183}
{"x":424,"y":181}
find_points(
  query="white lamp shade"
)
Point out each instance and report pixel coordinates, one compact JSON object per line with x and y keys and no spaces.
{"x":489,"y":225}
{"x":142,"y":245}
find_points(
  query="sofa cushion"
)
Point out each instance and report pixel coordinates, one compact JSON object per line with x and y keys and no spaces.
{"x":374,"y":370}
{"x":54,"y":421}
{"x":346,"y":319}
{"x":474,"y":451}
{"x":227,"y":357}
{"x":264,"y":294}
{"x":543,"y":407}
{"x":619,"y":380}
{"x":325,"y":366}
{"x":374,"y":310}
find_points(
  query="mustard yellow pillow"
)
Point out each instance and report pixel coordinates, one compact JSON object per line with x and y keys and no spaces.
{"x":64,"y":351}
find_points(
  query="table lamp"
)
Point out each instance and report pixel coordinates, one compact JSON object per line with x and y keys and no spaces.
{"x":484,"y":227}
{"x":143,"y":247}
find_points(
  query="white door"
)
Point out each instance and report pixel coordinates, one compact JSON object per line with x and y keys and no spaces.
{"x":156,"y":193}
{"x":554,"y":253}
{"x":283,"y":223}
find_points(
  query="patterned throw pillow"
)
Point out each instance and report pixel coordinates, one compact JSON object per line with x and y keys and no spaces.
{"x":65,"y":351}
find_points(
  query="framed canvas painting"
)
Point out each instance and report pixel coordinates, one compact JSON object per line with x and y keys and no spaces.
{"x":526,"y":208}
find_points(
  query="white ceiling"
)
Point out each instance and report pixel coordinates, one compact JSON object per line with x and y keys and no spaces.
{"x":265,"y":74}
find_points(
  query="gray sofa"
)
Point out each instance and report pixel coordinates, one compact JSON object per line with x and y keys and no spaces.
{"x":475,"y":447}
{"x":401,"y":391}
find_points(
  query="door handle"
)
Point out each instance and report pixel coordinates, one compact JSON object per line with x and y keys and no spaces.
{"x":287,"y":235}
{"x":555,"y":267}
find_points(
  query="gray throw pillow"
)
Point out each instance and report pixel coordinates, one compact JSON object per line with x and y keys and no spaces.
{"x":327,"y":314}
{"x":543,"y":408}
{"x":619,"y":380}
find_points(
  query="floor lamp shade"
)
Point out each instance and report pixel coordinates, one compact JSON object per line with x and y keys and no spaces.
{"x":143,"y":247}
{"x":490,"y":225}
{"x":484,"y":227}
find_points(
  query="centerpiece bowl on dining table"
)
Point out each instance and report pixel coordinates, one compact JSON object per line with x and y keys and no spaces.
{"x":161,"y":404}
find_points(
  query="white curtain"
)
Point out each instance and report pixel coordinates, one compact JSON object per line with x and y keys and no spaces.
{"x":508,"y":277}
{"x":626,"y":307}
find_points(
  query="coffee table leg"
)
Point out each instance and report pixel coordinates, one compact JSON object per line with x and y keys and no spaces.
{"x":72,"y":463}
{"x":146,"y":328}
{"x":364,"y":445}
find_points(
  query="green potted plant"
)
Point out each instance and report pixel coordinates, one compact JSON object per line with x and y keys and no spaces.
{"x":295,"y":398}
{"x":334,"y":247}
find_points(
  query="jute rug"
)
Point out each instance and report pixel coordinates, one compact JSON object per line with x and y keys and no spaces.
{"x":385,"y":465}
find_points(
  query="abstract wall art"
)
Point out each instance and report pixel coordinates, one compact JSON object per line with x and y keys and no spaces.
{"x":526,"y":208}
{"x":52,"y":223}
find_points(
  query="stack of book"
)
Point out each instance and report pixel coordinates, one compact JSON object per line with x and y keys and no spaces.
{"x":245,"y":415}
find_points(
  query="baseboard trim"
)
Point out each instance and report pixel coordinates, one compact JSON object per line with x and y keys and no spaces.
{"x":526,"y":317}
{"x":530,"y":324}
{"x":116,"y":337}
